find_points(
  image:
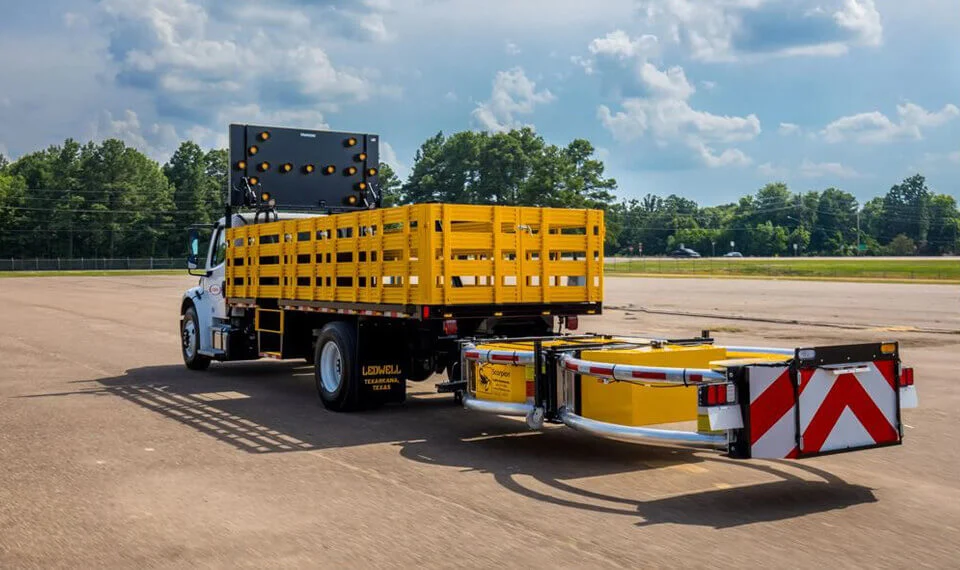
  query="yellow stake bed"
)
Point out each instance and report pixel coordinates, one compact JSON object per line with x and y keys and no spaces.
{"x":423,"y":255}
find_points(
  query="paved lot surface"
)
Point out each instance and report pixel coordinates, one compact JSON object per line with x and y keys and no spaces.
{"x":112,"y":454}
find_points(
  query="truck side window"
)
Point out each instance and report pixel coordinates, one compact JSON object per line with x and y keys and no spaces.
{"x":220,"y":253}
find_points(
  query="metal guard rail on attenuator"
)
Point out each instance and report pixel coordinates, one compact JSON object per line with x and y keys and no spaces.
{"x":621,"y":372}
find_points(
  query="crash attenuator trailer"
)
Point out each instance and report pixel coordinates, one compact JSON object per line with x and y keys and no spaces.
{"x":752,"y":402}
{"x":307,"y":264}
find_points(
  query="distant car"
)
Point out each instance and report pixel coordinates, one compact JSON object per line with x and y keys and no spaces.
{"x":733,"y":254}
{"x":684,"y":252}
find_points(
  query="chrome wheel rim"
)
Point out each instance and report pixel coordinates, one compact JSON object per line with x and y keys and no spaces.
{"x":189,"y":338}
{"x":331,"y":367}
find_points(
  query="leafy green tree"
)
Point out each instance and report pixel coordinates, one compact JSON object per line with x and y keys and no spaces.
{"x":835,"y":230}
{"x":194,"y":190}
{"x":901,"y":244}
{"x":944,"y":233}
{"x":801,"y":237}
{"x":14,"y":238}
{"x":906,"y":210}
{"x":389,"y":185}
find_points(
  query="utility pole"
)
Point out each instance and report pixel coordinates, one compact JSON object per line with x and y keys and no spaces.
{"x":858,"y":231}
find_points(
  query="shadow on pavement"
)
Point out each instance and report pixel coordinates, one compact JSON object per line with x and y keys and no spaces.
{"x":272,"y":407}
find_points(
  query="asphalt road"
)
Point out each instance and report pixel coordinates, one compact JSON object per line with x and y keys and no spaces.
{"x":113,"y":455}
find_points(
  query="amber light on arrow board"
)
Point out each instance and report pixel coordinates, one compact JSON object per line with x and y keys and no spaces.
{"x":287,"y":167}
{"x":254,"y":181}
{"x":330,"y":169}
{"x":242,"y":165}
{"x":361,"y":157}
{"x":308,"y":168}
{"x":350,"y":142}
{"x":350,"y":171}
{"x":253,"y":150}
{"x":265,"y":135}
{"x":372,"y":172}
{"x":264,"y":166}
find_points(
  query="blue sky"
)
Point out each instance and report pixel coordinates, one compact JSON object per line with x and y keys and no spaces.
{"x":709,"y":99}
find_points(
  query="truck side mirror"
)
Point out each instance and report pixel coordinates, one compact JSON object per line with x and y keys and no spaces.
{"x":193,"y":248}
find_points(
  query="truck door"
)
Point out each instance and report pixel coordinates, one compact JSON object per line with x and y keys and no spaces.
{"x":213,"y":283}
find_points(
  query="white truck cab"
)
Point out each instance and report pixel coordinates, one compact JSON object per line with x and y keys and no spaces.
{"x":203,"y":308}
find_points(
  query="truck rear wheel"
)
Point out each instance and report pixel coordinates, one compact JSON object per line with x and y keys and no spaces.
{"x":335,"y":367}
{"x":190,"y":341}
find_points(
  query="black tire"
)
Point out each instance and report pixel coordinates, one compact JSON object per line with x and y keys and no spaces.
{"x":190,"y":344}
{"x":345,"y":395}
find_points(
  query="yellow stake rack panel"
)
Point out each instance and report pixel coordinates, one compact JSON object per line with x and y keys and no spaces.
{"x":425,"y":254}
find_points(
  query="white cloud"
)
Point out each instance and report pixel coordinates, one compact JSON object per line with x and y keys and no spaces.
{"x":787,"y":129}
{"x":512,"y":48}
{"x":811,"y":169}
{"x":158,"y":140}
{"x":708,"y":85}
{"x":451,"y":96}
{"x":861,"y":17}
{"x":388,"y":155}
{"x":374,"y":27}
{"x":769,"y":170}
{"x":665,"y":113}
{"x":585,"y":62}
{"x":729,"y":30}
{"x":875,"y":127}
{"x":196,"y":63}
{"x":671,"y":83}
{"x":729,"y":157}
{"x":513,"y":94}
{"x":617,"y":43}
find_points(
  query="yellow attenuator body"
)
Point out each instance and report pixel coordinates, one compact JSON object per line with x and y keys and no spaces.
{"x":618,"y":402}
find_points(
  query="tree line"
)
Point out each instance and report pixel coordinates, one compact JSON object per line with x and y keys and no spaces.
{"x":107,"y":199}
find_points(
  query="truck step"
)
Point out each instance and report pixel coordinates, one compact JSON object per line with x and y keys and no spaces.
{"x":449,"y":387}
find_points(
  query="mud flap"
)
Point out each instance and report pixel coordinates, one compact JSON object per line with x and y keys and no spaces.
{"x":380,"y":361}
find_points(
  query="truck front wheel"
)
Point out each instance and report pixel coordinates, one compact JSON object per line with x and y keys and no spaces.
{"x":190,"y":341}
{"x":335,"y":367}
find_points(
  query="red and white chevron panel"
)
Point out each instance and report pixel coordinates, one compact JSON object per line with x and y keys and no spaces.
{"x":839,"y":408}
